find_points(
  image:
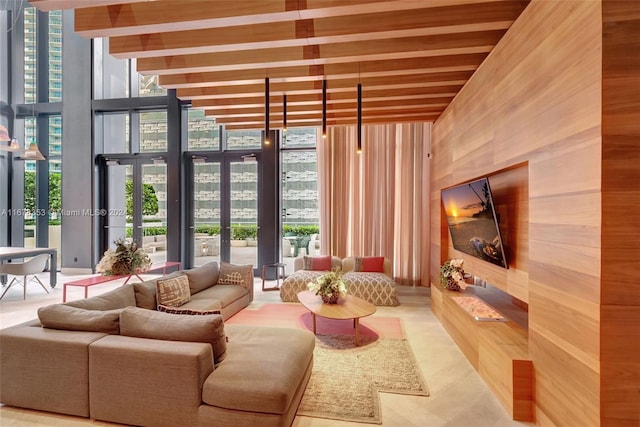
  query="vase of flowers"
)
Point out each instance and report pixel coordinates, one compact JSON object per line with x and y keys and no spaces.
{"x":452,"y":275}
{"x":329,"y":286}
{"x":126,"y":258}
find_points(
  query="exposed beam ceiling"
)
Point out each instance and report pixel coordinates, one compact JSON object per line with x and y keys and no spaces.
{"x":411,"y":56}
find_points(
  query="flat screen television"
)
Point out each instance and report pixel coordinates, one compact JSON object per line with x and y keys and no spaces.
{"x":472,"y":220}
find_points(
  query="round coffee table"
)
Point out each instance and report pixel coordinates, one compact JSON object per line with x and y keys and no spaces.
{"x":347,"y":308}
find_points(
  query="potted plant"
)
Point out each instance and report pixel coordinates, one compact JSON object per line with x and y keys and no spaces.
{"x":329,"y":286}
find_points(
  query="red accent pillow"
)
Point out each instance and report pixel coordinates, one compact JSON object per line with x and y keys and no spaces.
{"x":321,"y":263}
{"x":373,"y":264}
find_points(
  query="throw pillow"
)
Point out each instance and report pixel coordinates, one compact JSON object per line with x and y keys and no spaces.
{"x":145,"y":292}
{"x":173,"y":292}
{"x":141,"y":323}
{"x":231,"y":274}
{"x":187,"y":311}
{"x":317,"y":263}
{"x":66,"y":317}
{"x":369,"y":264}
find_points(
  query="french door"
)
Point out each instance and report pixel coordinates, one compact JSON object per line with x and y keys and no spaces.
{"x":135,"y":204}
{"x":223,"y":197}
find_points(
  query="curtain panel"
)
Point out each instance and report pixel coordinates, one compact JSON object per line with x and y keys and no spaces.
{"x":371,"y":203}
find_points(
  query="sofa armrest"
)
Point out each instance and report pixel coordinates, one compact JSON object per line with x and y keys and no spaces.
{"x":143,"y":381}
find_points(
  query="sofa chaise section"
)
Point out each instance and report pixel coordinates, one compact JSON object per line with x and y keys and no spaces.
{"x":262,"y":379}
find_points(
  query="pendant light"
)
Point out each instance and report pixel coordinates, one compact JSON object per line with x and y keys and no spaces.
{"x":32,"y":153}
{"x":324,"y":108}
{"x":266,"y":111}
{"x":359,"y":118}
{"x":4,"y":137}
{"x":284,"y":113}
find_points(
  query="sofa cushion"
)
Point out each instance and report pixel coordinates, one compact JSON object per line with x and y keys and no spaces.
{"x":145,"y":292}
{"x":370,"y":264}
{"x":317,"y":263}
{"x":61,"y":316}
{"x":120,"y":297}
{"x":203,"y":277}
{"x":264,"y":368}
{"x":231,"y":274}
{"x":224,"y":294}
{"x":203,"y":304}
{"x":174,"y":291}
{"x":141,"y":323}
{"x":186,"y":311}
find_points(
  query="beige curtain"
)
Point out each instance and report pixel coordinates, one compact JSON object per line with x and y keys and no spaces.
{"x":371,"y":203}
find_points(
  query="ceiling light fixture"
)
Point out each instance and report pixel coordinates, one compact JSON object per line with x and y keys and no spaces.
{"x":266,"y":111}
{"x":13,"y":144}
{"x":359,"y":118}
{"x":284,"y":113}
{"x":324,"y":108}
{"x":32,"y":153}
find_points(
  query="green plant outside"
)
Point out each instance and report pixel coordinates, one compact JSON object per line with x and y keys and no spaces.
{"x":242,"y":232}
{"x":301,"y":230}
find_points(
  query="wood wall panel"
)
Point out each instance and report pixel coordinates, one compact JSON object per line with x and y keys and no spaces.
{"x":620,"y":310}
{"x":542,"y":98}
{"x":567,"y":391}
{"x":556,"y":170}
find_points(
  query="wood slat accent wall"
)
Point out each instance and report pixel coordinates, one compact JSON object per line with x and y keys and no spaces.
{"x":620,"y":289}
{"x":560,"y":94}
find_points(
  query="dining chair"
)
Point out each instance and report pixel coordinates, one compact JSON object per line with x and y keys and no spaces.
{"x":35,"y":265}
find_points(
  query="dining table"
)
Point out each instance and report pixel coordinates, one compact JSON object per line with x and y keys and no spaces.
{"x":8,"y":253}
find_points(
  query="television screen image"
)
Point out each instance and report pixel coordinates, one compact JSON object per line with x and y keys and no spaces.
{"x":472,"y":221}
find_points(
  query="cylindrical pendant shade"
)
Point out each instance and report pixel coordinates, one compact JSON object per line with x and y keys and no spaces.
{"x":284,"y":113}
{"x":324,"y":108}
{"x":266,"y":111}
{"x":359,"y":117}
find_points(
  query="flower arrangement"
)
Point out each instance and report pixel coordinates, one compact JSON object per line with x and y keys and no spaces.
{"x":329,"y":286}
{"x":126,"y":258}
{"x":452,"y":275}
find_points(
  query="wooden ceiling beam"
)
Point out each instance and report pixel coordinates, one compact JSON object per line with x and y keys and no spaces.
{"x":334,"y":98}
{"x":331,"y":72}
{"x":351,"y":28}
{"x":317,"y":107}
{"x":278,"y":118}
{"x":335,"y":122}
{"x":400,"y":48}
{"x":340,"y":85}
{"x":172,"y":15}
{"x":49,"y":5}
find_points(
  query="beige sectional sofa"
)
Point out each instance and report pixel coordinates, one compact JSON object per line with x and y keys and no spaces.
{"x":378,"y":287}
{"x":98,"y":358}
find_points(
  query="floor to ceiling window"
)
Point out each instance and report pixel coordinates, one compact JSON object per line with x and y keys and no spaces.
{"x":299,"y":190}
{"x":38,"y":125}
{"x":154,"y":164}
{"x":223,"y":192}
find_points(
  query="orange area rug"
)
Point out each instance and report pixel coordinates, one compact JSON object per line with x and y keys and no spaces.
{"x":294,"y":315}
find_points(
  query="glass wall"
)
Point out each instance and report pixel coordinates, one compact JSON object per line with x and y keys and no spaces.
{"x":299,"y":193}
{"x":203,"y":133}
{"x":128,"y":127}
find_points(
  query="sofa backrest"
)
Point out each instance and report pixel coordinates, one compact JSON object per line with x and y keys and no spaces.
{"x":298,"y":263}
{"x":348,"y":264}
{"x":120,"y":297}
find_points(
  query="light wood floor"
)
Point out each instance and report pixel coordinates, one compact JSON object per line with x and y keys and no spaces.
{"x":459,"y":397}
